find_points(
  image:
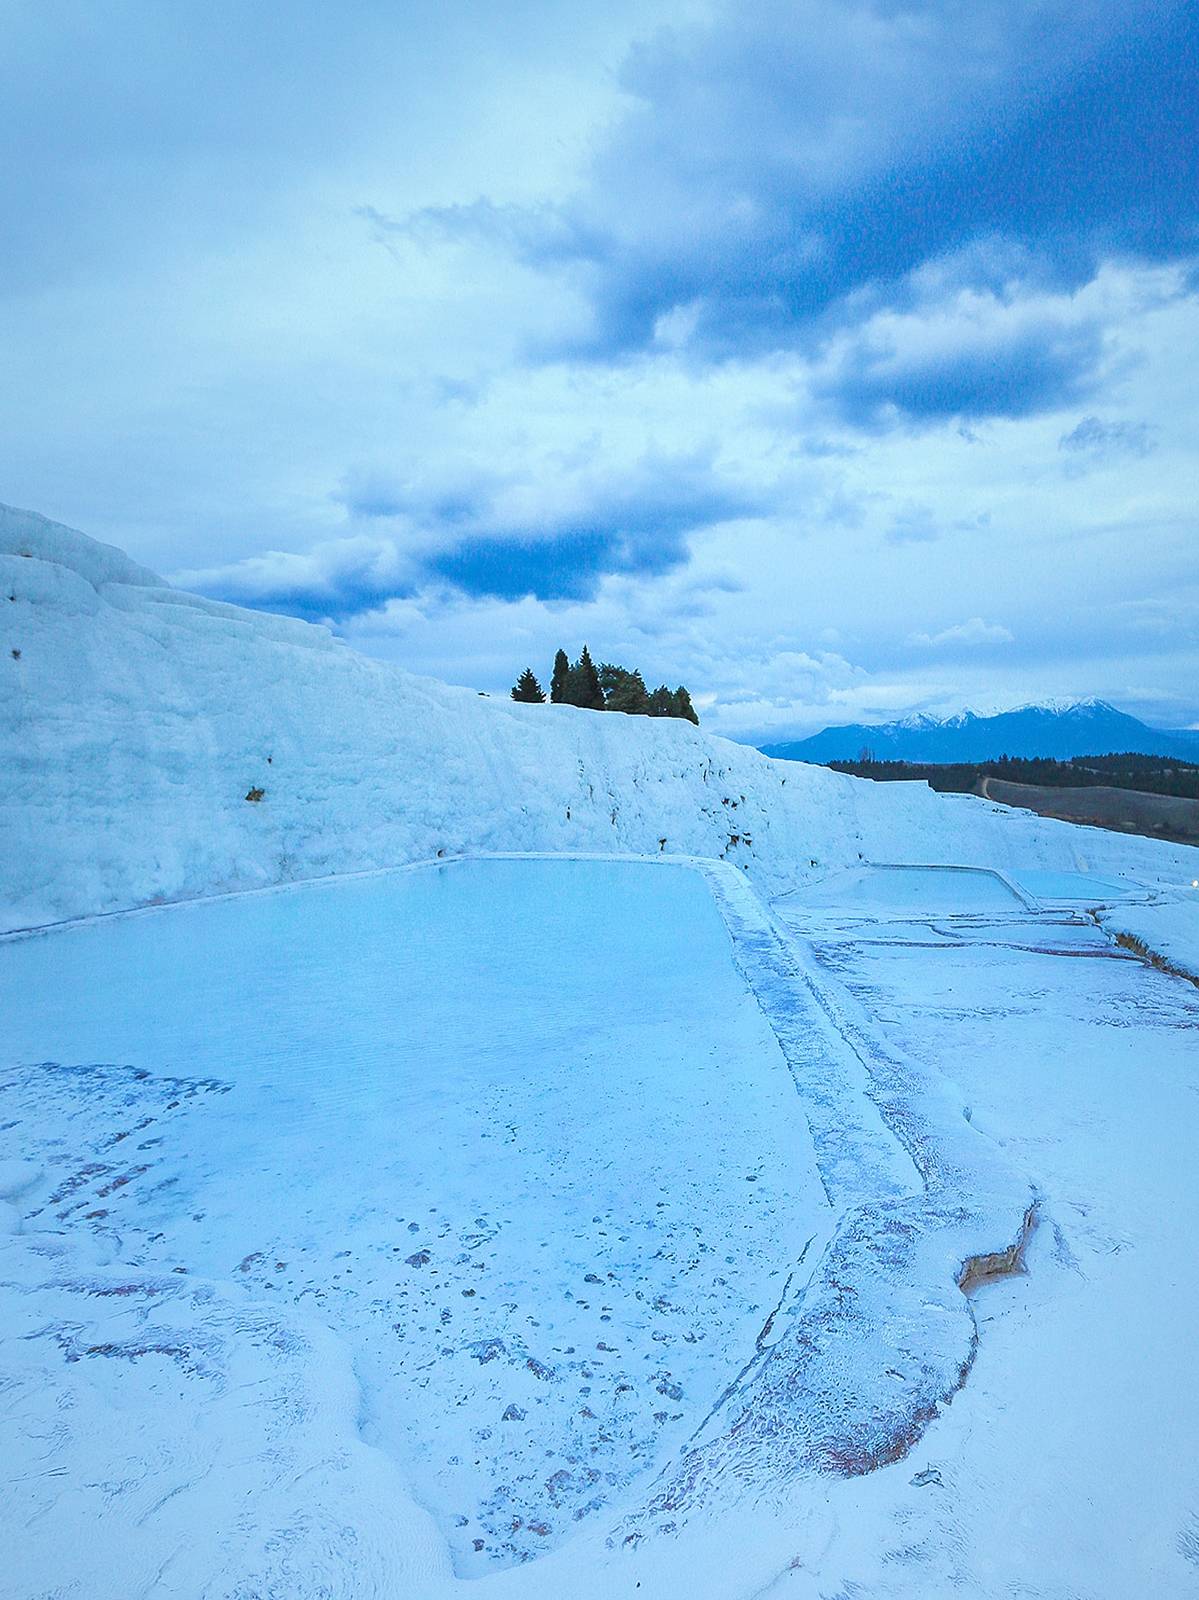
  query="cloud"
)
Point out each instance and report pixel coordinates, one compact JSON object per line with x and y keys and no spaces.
{"x":1106,"y":440}
{"x":450,"y":494}
{"x":557,"y":535}
{"x":913,"y":525}
{"x":336,"y":578}
{"x":554,"y":537}
{"x":568,"y":566}
{"x":970,"y":634}
{"x":779,"y":172}
{"x":976,"y":359}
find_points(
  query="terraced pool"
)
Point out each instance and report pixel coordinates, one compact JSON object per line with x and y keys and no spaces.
{"x":514,"y":1132}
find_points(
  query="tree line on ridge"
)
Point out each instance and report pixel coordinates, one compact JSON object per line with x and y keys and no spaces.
{"x":607,"y":687}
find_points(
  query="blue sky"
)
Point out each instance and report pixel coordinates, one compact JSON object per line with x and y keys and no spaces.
{"x":836,"y":359}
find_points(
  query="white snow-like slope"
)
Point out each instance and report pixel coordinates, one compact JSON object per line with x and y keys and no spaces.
{"x":1066,"y":1469}
{"x":135,"y":719}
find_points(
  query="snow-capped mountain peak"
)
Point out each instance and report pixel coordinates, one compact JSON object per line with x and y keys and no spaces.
{"x":1056,"y":728}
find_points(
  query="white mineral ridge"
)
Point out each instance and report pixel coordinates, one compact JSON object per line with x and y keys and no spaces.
{"x":135,"y":719}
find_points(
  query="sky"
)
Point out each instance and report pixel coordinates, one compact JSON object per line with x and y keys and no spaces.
{"x":834,"y":358}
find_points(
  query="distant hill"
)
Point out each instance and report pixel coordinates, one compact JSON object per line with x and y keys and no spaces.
{"x":1087,"y":727}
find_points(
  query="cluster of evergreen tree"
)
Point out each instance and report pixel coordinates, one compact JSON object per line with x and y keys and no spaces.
{"x":1147,"y":774}
{"x":607,"y":687}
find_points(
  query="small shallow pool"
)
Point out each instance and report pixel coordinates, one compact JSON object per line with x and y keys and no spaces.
{"x":1073,"y":886}
{"x":920,"y":891}
{"x":515,"y":1131}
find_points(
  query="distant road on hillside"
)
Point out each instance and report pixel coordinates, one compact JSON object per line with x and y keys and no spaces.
{"x":1158,"y":816}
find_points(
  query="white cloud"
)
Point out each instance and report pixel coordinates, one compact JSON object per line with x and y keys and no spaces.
{"x":334,"y":577}
{"x":971,"y":633}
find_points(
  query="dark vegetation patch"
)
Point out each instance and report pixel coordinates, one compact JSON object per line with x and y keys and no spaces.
{"x":1145,"y":774}
{"x":607,"y":687}
{"x":1129,"y":941}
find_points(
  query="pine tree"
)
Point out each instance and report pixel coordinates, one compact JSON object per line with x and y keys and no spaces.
{"x":527,"y":690}
{"x":585,"y":683}
{"x":623,"y":690}
{"x":681,"y":701}
{"x":611,"y":687}
{"x":560,"y":682}
{"x":629,"y":695}
{"x":610,"y":675}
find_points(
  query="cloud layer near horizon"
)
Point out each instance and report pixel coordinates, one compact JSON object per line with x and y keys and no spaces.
{"x":833,"y":358}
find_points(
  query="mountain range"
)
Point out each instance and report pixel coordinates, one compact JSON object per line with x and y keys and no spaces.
{"x":1081,"y":728}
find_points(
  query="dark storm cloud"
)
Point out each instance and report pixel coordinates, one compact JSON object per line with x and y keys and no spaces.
{"x":502,"y":537}
{"x":637,"y":524}
{"x":998,"y":373}
{"x":785,"y":172}
{"x":568,"y":566}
